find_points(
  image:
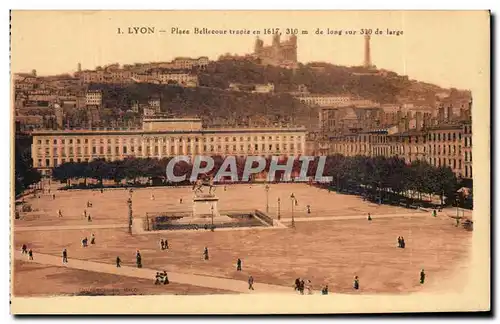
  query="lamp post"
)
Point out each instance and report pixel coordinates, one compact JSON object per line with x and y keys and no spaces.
{"x":279,"y":208}
{"x":212,"y":210}
{"x":292,"y":198}
{"x":267,"y":199}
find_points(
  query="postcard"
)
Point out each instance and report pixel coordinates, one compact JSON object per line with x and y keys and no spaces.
{"x":250,"y":162}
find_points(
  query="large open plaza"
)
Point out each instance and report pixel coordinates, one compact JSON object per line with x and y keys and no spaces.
{"x":328,"y":245}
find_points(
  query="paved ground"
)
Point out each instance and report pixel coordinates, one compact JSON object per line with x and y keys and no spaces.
{"x":67,"y":281}
{"x":326,"y":252}
{"x":145,"y":273}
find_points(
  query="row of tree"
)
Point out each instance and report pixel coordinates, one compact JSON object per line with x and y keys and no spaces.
{"x":364,"y":175}
{"x":24,"y":173}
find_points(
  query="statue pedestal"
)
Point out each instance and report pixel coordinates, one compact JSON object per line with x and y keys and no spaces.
{"x":205,"y":206}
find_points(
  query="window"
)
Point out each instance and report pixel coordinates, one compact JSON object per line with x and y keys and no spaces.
{"x":86,"y":141}
{"x":85,"y":150}
{"x":256,"y":147}
{"x":78,"y":150}
{"x":109,"y":141}
{"x":94,"y":151}
{"x":117,"y":150}
{"x":234,"y":139}
{"x":70,"y":150}
{"x":78,"y":141}
{"x":454,"y":137}
{"x":55,"y":142}
{"x":54,"y":161}
{"x":101,"y":150}
{"x":47,"y":162}
{"x":39,"y":142}
{"x":454,"y":164}
{"x":70,"y":141}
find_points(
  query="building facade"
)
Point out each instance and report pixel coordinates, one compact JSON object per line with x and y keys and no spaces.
{"x":93,"y":98}
{"x":163,"y":137}
{"x":447,"y":145}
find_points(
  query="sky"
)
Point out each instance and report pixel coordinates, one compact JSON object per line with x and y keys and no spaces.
{"x":447,"y":48}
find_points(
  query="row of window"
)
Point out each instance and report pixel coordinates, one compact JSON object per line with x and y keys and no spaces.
{"x":445,"y":136}
{"x":165,"y":139}
{"x":189,"y":149}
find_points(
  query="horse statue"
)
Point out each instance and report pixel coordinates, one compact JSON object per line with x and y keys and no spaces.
{"x":200,"y":183}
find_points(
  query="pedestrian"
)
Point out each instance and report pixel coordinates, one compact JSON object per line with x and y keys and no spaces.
{"x":138,"y":259}
{"x":89,"y":219}
{"x":356,"y":283}
{"x":422,"y":277}
{"x":205,"y":253}
{"x":399,"y":241}
{"x":166,"y":244}
{"x":403,"y":244}
{"x":84,"y":213}
{"x":434,"y":214}
{"x":162,"y":244}
{"x":309,"y":287}
{"x":84,"y":242}
{"x":250,"y":283}
{"x":297,"y":284}
{"x":65,"y":256}
{"x":152,"y":197}
{"x":53,"y":196}
{"x":301,"y":286}
{"x":30,"y":254}
{"x":180,"y":200}
{"x":308,"y":209}
{"x":118,"y":261}
{"x":92,"y":239}
{"x":157,"y":278}
{"x":324,"y":291}
{"x":24,"y":249}
{"x":165,"y":278}
{"x":369,"y":217}
{"x":59,"y":213}
{"x":238,"y":265}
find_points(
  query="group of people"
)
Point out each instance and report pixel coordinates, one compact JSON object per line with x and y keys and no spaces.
{"x":26,"y":251}
{"x":164,"y":244}
{"x":162,"y":278}
{"x":301,"y":286}
{"x":85,"y":240}
{"x":401,"y":242}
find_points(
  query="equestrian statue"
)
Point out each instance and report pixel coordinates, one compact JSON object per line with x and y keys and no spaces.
{"x":205,"y":182}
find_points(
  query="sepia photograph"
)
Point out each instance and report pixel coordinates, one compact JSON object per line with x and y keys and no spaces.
{"x":270,"y":162}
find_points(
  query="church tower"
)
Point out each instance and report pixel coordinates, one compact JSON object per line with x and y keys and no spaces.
{"x":367,"y":62}
{"x":259,"y":44}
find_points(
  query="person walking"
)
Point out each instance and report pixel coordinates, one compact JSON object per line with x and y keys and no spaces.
{"x":65,"y":256}
{"x":92,"y":239}
{"x":30,"y":254}
{"x":118,"y":262}
{"x":24,"y":249}
{"x":369,"y":217}
{"x":162,"y":244}
{"x":238,"y":265}
{"x":356,"y":283}
{"x":205,"y":253}
{"x":250,"y":283}
{"x":422,"y":277}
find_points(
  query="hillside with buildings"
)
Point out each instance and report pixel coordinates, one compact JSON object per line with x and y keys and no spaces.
{"x":213,"y":106}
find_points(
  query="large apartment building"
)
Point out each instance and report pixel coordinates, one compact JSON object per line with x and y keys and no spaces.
{"x":443,"y":145}
{"x":162,"y":137}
